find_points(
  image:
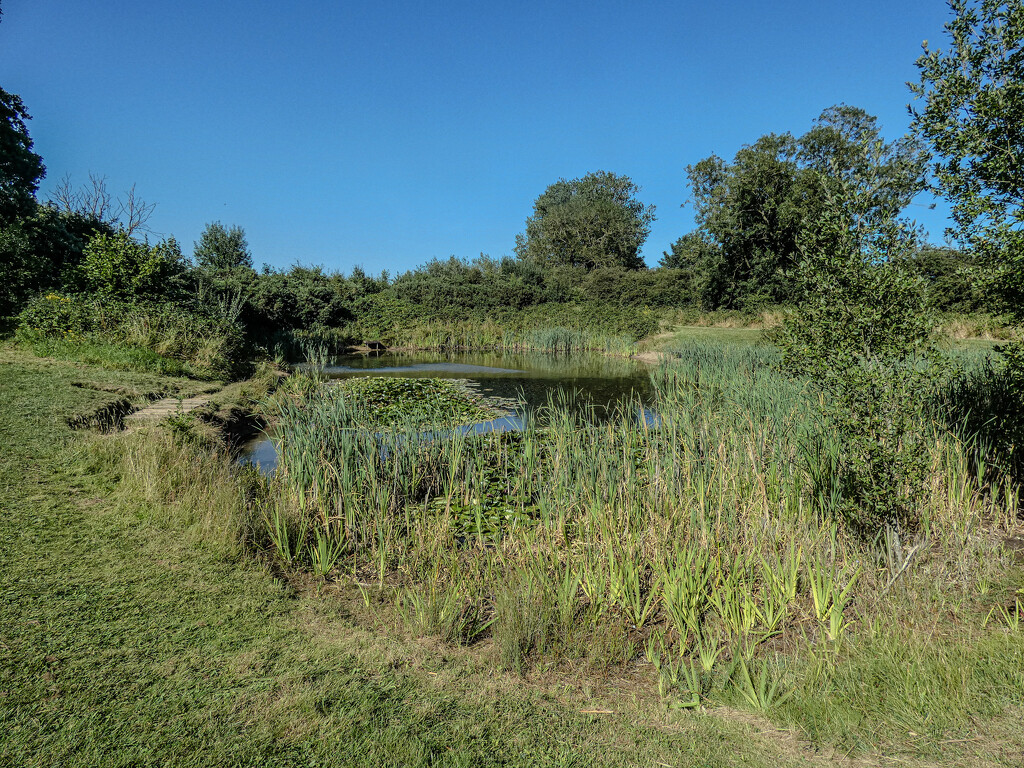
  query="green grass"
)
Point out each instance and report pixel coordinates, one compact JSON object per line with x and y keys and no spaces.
{"x":133,"y":631}
{"x":116,"y":357}
{"x":696,"y":333}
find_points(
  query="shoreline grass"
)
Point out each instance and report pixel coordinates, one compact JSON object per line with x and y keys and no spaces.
{"x":709,"y":546}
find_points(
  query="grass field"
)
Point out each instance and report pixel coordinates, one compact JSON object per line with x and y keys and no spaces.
{"x":138,"y":628}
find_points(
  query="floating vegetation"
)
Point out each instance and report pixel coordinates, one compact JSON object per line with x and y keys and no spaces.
{"x":388,"y":402}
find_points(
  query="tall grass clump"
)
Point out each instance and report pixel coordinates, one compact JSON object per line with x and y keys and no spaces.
{"x":494,"y":336}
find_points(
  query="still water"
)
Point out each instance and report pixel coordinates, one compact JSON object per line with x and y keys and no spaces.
{"x":531,"y":379}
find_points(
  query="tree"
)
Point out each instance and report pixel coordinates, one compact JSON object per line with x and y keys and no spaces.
{"x":756,"y":208}
{"x":954,"y":278}
{"x":117,"y":267}
{"x":972,"y":116}
{"x":220,"y":249}
{"x":593,"y":221}
{"x":21,"y":169}
{"x":689,"y":250}
{"x":41,"y":251}
{"x":93,"y":202}
{"x":752,"y":209}
{"x":862,"y":336}
{"x":845,"y":147}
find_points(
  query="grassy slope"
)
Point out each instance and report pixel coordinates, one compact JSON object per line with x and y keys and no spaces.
{"x":124,"y":640}
{"x":686,"y":333}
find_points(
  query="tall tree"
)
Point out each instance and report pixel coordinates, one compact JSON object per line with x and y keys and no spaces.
{"x":22,"y":268}
{"x":219,"y":249}
{"x":756,"y":208}
{"x":690,"y":249}
{"x":21,"y":169}
{"x":972,"y":115}
{"x":593,"y":221}
{"x":752,"y":209}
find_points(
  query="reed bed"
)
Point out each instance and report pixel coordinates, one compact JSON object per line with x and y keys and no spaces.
{"x":706,"y":543}
{"x":469,"y":335}
{"x":499,"y":338}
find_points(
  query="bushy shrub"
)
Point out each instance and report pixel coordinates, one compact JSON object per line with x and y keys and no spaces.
{"x":116,"y":267}
{"x":863,"y":337}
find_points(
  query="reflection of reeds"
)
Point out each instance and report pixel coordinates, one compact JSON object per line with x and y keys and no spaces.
{"x":713,"y":532}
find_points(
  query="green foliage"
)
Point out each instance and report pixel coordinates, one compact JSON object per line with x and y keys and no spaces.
{"x":521,"y":296}
{"x":593,"y":221}
{"x":382,"y":402}
{"x":135,"y":633}
{"x":753,"y":212}
{"x":37,"y":244}
{"x":280,"y":301}
{"x":688,"y":251}
{"x":862,"y":336}
{"x":173,"y":338}
{"x":41,"y":251}
{"x":973,"y":107}
{"x":21,"y":169}
{"x":220,"y":249}
{"x":956,"y":280}
{"x":984,"y":407}
{"x":17,"y":270}
{"x":971,"y":115}
{"x":117,"y":267}
{"x":55,"y":315}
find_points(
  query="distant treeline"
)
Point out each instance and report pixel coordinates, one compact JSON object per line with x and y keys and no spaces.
{"x":78,"y":268}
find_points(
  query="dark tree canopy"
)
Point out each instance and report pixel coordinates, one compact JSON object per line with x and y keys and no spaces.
{"x":220,"y":249}
{"x":972,"y":115}
{"x":752,"y":209}
{"x":21,"y":169}
{"x":594,"y":221}
{"x":688,"y":251}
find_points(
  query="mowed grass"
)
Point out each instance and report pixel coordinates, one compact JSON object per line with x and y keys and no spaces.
{"x":133,"y":630}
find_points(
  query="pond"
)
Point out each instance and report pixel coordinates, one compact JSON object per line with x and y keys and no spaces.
{"x":532,"y":379}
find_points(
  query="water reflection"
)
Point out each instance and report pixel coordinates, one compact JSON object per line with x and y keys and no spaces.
{"x":596,"y":379}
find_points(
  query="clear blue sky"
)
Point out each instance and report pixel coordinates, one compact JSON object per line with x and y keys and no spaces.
{"x":387,"y":133}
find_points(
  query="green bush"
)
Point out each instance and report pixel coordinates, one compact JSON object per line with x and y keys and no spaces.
{"x":115,"y":266}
